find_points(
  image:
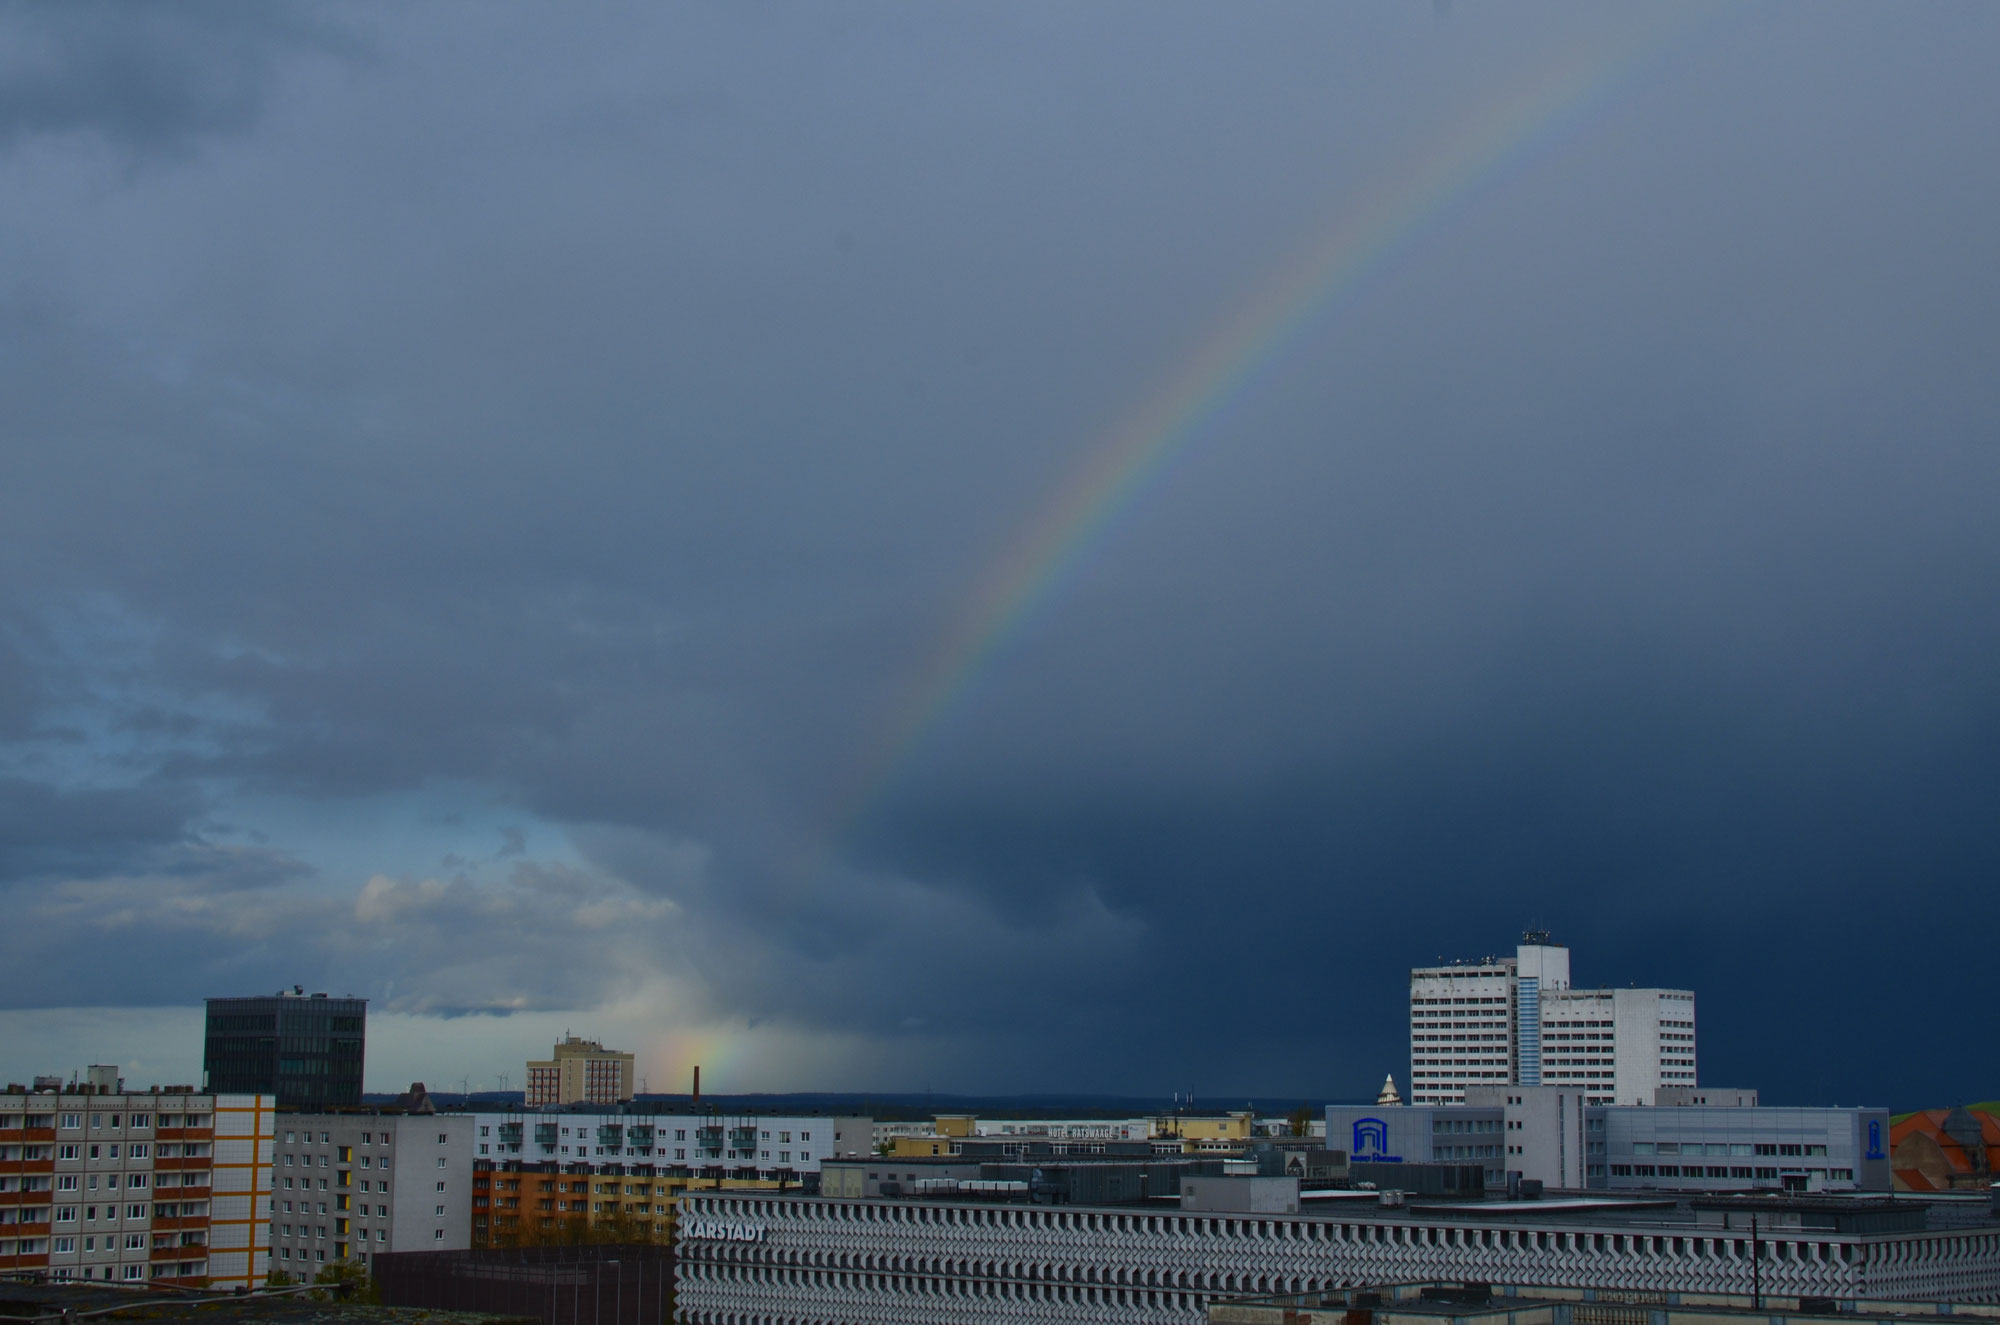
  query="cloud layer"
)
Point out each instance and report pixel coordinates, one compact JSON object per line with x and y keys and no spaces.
{"x":478,"y":488}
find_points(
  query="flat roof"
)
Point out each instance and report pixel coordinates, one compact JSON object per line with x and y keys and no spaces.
{"x":1661,"y":1212}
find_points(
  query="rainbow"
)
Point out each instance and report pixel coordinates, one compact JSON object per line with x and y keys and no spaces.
{"x":1113,"y":471}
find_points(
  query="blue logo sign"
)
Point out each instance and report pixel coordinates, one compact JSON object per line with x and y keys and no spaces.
{"x":1371,"y":1142}
{"x":1875,"y":1139}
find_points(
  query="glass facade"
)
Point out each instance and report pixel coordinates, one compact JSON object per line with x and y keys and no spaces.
{"x":307,"y":1050}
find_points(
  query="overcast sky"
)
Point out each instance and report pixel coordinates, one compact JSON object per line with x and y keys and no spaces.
{"x":484,"y":489}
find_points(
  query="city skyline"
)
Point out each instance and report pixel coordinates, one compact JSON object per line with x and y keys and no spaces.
{"x":1001,"y":548}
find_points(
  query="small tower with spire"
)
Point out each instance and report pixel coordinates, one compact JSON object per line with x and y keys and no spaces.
{"x":1389,"y":1095}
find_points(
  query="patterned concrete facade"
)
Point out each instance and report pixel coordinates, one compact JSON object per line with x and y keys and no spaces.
{"x":751,"y":1260}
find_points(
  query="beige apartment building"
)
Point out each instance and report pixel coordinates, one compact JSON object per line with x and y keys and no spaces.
{"x":580,"y":1072}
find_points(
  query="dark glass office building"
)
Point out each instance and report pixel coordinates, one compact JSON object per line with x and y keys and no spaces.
{"x":306,"y":1049}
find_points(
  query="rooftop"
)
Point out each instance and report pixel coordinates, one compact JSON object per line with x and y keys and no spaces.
{"x":109,"y":1302}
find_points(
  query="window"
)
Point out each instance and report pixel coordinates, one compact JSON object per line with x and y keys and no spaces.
{"x":66,"y":1182}
{"x":65,"y":1244}
{"x":72,"y":1121}
{"x":440,"y":1185}
{"x":437,"y":1236}
{"x":325,"y":1138}
{"x":65,"y":1214}
{"x":440,"y":1161}
{"x":440,"y":1212}
{"x":443,"y":1137}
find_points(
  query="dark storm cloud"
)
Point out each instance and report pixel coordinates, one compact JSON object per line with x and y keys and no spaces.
{"x":490,"y":502}
{"x":145,"y":78}
{"x":48,"y":831}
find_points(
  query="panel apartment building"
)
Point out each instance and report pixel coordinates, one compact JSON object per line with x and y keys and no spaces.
{"x":165,"y":1186}
{"x":349,"y":1186}
{"x":535,"y":1173}
{"x":1518,"y":1021}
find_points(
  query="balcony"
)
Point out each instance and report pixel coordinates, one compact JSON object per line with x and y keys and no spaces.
{"x":180,"y":1222}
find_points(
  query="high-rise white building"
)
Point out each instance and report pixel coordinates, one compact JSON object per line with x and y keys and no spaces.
{"x":1518,"y":1021}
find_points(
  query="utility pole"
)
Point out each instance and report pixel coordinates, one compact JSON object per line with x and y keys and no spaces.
{"x":1756,"y":1268}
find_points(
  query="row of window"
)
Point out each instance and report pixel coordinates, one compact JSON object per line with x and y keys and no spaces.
{"x":136,"y":1150}
{"x":74,"y":1122}
{"x":1800,"y":1149}
{"x":66,"y":1214}
{"x":680,"y":1133}
{"x":133,"y":1242}
{"x":1751,"y":1171}
{"x":367,"y":1138}
{"x":67,"y":1182}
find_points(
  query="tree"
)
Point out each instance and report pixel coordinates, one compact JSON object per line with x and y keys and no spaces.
{"x":348,"y":1281}
{"x":1301,"y":1121}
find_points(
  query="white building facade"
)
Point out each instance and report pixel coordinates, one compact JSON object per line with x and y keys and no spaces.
{"x":741,"y":1147}
{"x":1519,"y":1021}
{"x":347,"y":1186}
{"x":1550,"y":1135}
